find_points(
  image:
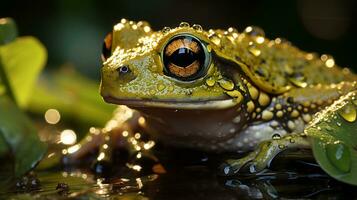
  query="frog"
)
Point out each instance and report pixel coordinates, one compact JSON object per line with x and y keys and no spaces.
{"x":216,"y":90}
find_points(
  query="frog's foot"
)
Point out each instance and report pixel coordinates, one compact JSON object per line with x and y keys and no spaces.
{"x":261,"y":158}
{"x":86,"y":146}
{"x":99,"y":142}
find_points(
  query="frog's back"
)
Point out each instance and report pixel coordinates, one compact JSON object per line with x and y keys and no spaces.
{"x":277,"y":65}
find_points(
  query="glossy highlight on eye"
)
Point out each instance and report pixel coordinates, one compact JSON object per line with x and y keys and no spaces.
{"x":181,"y":43}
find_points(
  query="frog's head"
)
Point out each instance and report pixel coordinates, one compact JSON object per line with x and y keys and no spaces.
{"x":180,"y":68}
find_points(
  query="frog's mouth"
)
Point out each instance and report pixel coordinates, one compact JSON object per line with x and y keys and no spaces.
{"x":174,"y":104}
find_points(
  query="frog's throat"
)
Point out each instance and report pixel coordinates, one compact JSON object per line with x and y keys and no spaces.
{"x":174,"y":104}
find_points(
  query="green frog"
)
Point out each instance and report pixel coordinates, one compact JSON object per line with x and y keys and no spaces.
{"x":213,"y":90}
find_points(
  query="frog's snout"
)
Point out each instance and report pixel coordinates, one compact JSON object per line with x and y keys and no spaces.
{"x":125,"y":74}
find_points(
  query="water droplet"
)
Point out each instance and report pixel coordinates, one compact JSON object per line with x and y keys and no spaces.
{"x":339,"y":156}
{"x":254,"y":31}
{"x":310,"y":56}
{"x":348,"y":112}
{"x":252,"y":168}
{"x":210,"y":82}
{"x":184,"y":25}
{"x":232,"y":30}
{"x":166,"y":30}
{"x":226,"y":84}
{"x":292,"y":140}
{"x":276,"y":136}
{"x":281,"y":146}
{"x":227,"y":170}
{"x":259,"y":39}
{"x":215,"y":39}
{"x":197,"y":27}
{"x":281,"y":41}
{"x":255,"y":51}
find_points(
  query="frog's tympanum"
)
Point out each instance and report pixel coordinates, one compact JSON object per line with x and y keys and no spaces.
{"x":216,"y":90}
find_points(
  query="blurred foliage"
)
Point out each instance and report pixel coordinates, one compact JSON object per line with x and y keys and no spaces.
{"x":20,"y":136}
{"x":8,"y":30}
{"x":74,"y":96}
{"x":21,"y":60}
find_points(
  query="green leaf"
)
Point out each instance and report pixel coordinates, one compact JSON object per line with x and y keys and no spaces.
{"x":8,"y":30}
{"x":334,"y":139}
{"x":22,"y":60}
{"x":20,"y":136}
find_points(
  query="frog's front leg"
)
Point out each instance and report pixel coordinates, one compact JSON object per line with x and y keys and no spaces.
{"x":104,"y":140}
{"x":261,"y":157}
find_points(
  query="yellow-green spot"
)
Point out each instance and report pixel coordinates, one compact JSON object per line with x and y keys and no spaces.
{"x":170,"y":88}
{"x":234,"y":93}
{"x":348,"y":113}
{"x":267,"y":115}
{"x":210,"y":82}
{"x":250,"y":106}
{"x":264,"y":99}
{"x":160,"y":87}
{"x":152,"y":92}
{"x":339,"y":155}
{"x":254,"y":93}
{"x":226,"y":84}
{"x":209,"y":48}
{"x":294,"y":113}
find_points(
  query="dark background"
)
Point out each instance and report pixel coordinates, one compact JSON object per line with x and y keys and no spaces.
{"x":73,"y":31}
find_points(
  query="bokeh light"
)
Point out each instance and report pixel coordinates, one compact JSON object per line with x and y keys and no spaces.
{"x":68,"y":137}
{"x":52,"y":116}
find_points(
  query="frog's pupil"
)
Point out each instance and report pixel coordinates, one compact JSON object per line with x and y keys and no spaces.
{"x":183,"y":57}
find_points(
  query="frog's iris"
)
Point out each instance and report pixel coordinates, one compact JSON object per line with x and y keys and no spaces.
{"x":185,"y":58}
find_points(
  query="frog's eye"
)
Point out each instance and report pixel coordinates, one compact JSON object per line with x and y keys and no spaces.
{"x":185,"y":58}
{"x":107,"y":47}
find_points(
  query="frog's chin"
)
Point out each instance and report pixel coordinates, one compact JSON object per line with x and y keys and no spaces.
{"x":174,"y":104}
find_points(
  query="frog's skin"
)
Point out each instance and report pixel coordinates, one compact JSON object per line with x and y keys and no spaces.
{"x":252,"y":93}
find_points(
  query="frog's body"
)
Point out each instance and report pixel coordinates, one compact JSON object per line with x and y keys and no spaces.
{"x":236,"y":91}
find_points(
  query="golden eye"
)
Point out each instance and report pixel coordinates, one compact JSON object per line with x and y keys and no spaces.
{"x":185,"y":58}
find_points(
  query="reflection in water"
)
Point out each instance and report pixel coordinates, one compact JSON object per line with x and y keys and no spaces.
{"x":182,"y":174}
